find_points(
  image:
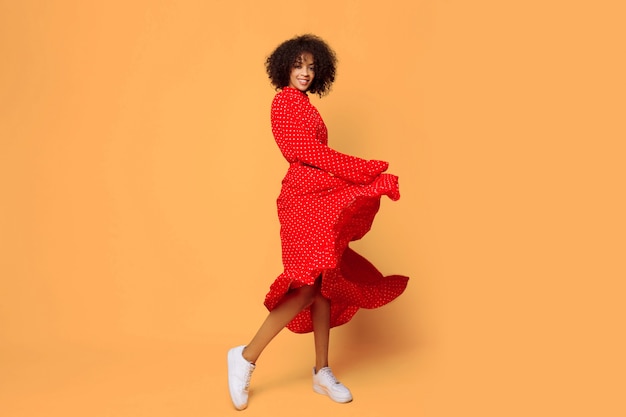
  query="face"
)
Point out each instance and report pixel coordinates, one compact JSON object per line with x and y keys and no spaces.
{"x":302,"y":72}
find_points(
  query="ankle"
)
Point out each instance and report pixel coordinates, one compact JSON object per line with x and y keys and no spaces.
{"x":246,"y":355}
{"x":320,"y":366}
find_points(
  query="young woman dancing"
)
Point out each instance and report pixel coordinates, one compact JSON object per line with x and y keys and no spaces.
{"x":327,"y":199}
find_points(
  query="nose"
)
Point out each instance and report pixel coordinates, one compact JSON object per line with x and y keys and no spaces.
{"x":305,"y":70}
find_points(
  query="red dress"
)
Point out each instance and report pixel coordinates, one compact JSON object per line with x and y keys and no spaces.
{"x":327,"y":199}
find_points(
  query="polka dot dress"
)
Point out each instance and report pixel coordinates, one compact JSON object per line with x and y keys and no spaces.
{"x":327,"y":199}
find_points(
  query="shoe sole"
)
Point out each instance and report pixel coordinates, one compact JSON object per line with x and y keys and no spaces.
{"x":231,"y":364}
{"x":321,"y":390}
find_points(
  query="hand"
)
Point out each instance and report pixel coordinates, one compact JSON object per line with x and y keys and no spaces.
{"x":375,"y":167}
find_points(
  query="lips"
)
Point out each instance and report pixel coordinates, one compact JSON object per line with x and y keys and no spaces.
{"x":302,"y":84}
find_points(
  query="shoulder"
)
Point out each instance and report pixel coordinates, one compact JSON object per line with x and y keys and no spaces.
{"x":289,"y":101}
{"x":291,"y":95}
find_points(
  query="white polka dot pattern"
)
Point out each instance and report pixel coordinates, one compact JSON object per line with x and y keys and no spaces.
{"x":327,"y":200}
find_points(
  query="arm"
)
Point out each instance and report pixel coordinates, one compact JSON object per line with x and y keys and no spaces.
{"x":298,"y":141}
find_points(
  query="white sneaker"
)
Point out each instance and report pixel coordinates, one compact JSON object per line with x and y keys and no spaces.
{"x":324,"y":382}
{"x":239,"y":373}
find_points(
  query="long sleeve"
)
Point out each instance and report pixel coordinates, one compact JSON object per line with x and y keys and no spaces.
{"x":301,"y":135}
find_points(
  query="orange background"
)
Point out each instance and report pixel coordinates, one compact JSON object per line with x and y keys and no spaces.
{"x":138,"y":230}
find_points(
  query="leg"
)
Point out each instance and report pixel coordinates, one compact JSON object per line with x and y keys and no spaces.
{"x":241,"y":359}
{"x":324,"y":381}
{"x":320,"y":312}
{"x":294,"y":302}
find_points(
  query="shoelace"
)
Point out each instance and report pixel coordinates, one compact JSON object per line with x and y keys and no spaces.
{"x":248,"y":376}
{"x":329,"y":374}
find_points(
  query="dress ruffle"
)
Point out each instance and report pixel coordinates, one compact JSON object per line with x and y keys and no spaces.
{"x":344,"y":212}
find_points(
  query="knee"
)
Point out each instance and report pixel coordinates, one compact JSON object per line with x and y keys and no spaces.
{"x":308,"y":295}
{"x":318,"y":298}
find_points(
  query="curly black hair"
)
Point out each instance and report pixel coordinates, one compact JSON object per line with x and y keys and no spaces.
{"x":279,"y":64}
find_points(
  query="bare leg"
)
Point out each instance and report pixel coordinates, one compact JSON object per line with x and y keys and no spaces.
{"x":320,"y":311}
{"x":294,"y":302}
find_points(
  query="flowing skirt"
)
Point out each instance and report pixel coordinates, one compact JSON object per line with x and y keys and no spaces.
{"x":319,"y":216}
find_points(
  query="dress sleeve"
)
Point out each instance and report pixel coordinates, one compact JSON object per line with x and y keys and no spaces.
{"x":298,"y":141}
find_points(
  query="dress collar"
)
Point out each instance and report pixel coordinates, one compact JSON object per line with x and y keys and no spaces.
{"x":292,"y":90}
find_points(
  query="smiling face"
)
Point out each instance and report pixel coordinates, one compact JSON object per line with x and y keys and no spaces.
{"x":302,"y":72}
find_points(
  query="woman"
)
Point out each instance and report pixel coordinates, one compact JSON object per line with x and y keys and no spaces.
{"x":327,"y":200}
